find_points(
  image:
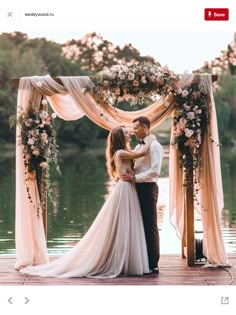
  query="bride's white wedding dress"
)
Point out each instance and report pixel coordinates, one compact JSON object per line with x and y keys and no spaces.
{"x":114,"y":244}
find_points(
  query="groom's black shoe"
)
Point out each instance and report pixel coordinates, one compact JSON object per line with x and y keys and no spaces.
{"x":154,"y":271}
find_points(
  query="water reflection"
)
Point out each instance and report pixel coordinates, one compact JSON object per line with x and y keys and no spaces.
{"x":228,"y":167}
{"x":81,"y":192}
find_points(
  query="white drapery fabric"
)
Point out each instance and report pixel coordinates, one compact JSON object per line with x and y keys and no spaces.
{"x":70,"y":103}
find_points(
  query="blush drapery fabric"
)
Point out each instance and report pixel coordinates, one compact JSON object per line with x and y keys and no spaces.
{"x":71,"y":102}
{"x":210,"y":196}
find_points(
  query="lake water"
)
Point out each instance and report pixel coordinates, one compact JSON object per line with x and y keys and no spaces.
{"x":81,"y":191}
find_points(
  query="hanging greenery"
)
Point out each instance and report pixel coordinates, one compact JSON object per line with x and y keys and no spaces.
{"x":40,"y":150}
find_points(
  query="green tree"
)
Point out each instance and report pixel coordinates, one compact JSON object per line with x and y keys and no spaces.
{"x":225,"y":99}
{"x":224,"y":66}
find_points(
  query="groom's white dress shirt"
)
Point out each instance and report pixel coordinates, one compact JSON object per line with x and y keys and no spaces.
{"x":148,"y":167}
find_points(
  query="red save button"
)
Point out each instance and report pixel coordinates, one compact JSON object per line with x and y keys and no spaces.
{"x":216,"y":14}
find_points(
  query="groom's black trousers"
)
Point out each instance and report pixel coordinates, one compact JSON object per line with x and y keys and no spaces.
{"x":148,"y":194}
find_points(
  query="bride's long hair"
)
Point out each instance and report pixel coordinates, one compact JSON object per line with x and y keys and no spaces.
{"x":115,"y":141}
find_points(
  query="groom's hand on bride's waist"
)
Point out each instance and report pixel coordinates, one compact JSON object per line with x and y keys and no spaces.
{"x":127,"y":177}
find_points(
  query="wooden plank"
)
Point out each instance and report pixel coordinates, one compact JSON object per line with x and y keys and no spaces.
{"x":173,"y":271}
{"x":44,"y":200}
{"x":44,"y":203}
{"x":190,"y":239}
{"x":184,"y":238}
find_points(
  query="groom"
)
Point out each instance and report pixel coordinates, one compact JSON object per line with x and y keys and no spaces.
{"x":147,"y":170}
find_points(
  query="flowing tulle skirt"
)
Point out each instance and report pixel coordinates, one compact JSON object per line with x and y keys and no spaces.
{"x":114,"y":245}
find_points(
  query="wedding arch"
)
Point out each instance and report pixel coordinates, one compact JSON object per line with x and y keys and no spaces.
{"x":194,"y":165}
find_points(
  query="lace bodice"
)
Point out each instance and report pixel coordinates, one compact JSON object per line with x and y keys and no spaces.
{"x":122,"y":165}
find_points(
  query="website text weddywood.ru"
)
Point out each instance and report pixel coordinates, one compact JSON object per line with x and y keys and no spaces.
{"x":39,"y":14}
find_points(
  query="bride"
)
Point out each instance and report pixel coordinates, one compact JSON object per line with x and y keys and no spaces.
{"x":115,"y":243}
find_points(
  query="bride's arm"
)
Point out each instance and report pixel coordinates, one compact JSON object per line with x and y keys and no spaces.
{"x":131,"y":155}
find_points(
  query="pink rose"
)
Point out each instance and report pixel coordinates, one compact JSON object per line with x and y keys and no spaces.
{"x":191,"y":115}
{"x":185,"y":93}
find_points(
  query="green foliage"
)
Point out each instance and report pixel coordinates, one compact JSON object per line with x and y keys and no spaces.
{"x":223,"y":115}
{"x":224,"y":66}
{"x":225,"y":99}
{"x":82,"y":132}
{"x":12,"y":121}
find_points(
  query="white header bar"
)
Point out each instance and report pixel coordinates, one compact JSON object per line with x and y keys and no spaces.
{"x":104,"y":15}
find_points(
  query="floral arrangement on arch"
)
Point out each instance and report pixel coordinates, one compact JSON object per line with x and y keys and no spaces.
{"x":38,"y":137}
{"x":190,"y":120}
{"x":134,"y":83}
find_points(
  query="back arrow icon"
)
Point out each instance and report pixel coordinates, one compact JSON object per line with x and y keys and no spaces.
{"x":26,"y":300}
{"x":9,"y":300}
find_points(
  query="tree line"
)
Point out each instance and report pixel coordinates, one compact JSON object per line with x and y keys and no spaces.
{"x":22,"y":56}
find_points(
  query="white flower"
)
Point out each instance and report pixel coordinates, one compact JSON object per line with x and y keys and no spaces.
{"x":131,"y":76}
{"x":84,"y":90}
{"x":186,"y":107}
{"x":44,"y":114}
{"x":159,"y":73}
{"x":41,"y":125}
{"x":39,"y":84}
{"x":143,"y":79}
{"x":188,"y":132}
{"x":44,"y":102}
{"x":54,"y":115}
{"x":184,"y":93}
{"x":28,"y":123}
{"x":191,"y":115}
{"x":179,"y":91}
{"x":116,"y":68}
{"x":30,"y":141}
{"x":121,"y":76}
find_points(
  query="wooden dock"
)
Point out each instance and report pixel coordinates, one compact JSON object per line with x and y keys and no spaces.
{"x":173,"y":271}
